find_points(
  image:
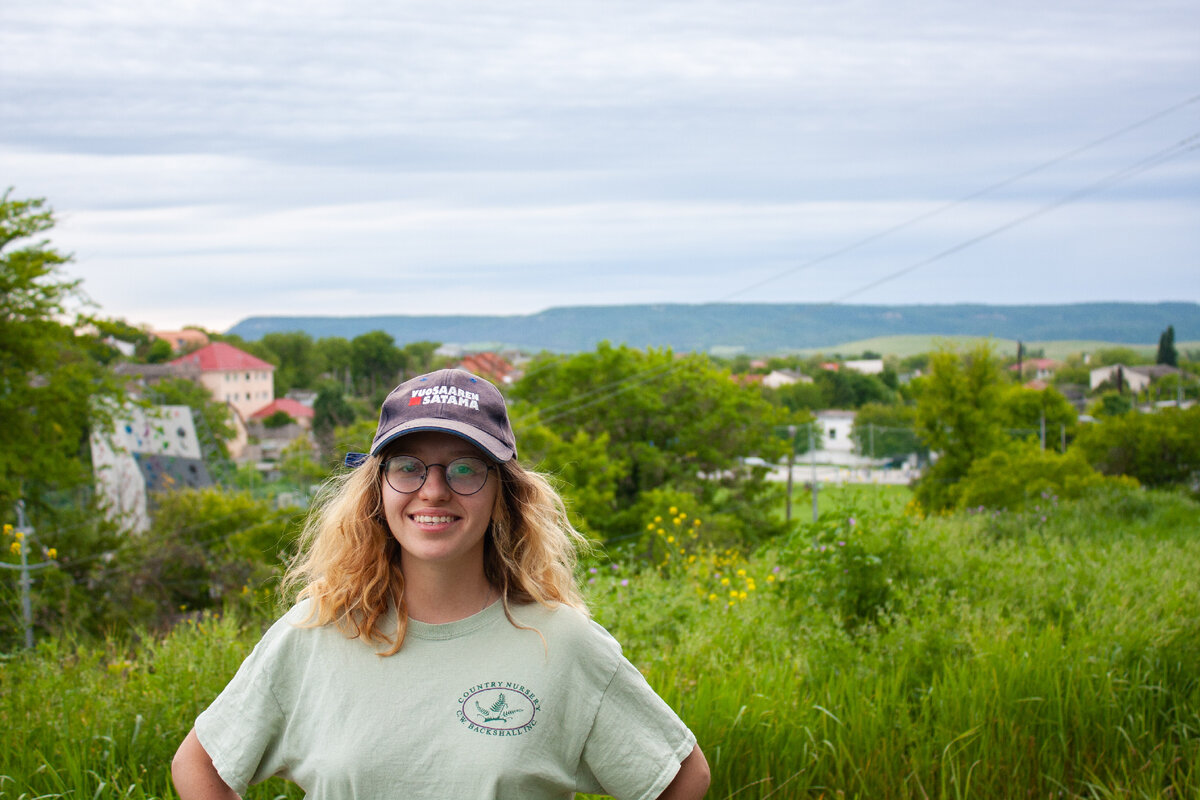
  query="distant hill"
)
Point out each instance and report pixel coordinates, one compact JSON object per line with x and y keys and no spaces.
{"x":758,"y":327}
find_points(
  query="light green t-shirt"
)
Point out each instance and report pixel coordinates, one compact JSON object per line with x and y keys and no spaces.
{"x":476,"y":708}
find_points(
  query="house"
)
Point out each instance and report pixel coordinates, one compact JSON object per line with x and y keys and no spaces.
{"x":836,"y":425}
{"x":865,"y":366}
{"x":233,"y":376}
{"x":300,"y":413}
{"x":181,"y":340}
{"x":1133,"y":378}
{"x":494,"y":367}
{"x":784,"y":377}
{"x":1040,"y":369}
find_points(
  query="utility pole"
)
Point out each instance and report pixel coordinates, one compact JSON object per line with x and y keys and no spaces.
{"x":1042,"y":430}
{"x":812,"y":460}
{"x":791,"y":429}
{"x":26,"y":581}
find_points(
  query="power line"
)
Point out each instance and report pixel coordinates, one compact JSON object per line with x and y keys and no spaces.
{"x":964,"y":199}
{"x":1145,"y":164}
{"x":1174,"y":151}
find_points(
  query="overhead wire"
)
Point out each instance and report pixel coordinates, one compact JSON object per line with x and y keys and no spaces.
{"x":965,"y":198}
{"x":601,"y":393}
{"x":1174,"y":151}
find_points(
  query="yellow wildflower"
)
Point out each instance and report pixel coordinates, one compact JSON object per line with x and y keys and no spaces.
{"x":7,"y":529}
{"x":673,"y":511}
{"x":696,"y":522}
{"x":670,"y":540}
{"x":712,"y":597}
{"x":650,"y":526}
{"x":682,"y":515}
{"x":52,"y":553}
{"x":20,"y":536}
{"x":661,"y":532}
{"x":724,"y":581}
{"x":770,"y":579}
{"x":741,"y":595}
{"x":15,"y":548}
{"x":733,"y":593}
{"x":741,"y":573}
{"x":658,"y":519}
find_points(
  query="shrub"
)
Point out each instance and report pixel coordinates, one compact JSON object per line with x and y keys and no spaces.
{"x":1158,"y":449}
{"x":1014,"y":477}
{"x":849,"y":562}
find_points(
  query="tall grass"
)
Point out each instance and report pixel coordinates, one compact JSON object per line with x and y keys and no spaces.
{"x":1008,"y":657}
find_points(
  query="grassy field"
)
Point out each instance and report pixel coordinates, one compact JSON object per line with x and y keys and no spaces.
{"x":1048,"y":654}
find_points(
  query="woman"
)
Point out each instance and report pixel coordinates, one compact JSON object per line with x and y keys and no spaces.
{"x":440,"y":648}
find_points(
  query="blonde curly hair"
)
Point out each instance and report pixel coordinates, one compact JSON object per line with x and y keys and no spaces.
{"x":348,"y":562}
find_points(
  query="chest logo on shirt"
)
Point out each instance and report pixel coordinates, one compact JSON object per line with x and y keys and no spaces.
{"x":498,"y":708}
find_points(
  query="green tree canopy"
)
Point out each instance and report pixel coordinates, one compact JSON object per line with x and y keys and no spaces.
{"x":1158,"y":449}
{"x":960,"y":417}
{"x":298,"y":360}
{"x":48,"y":382}
{"x":1025,"y":409}
{"x":669,"y":420}
{"x":1166,"y":348}
{"x":375,"y":361}
{"x":887,"y":431}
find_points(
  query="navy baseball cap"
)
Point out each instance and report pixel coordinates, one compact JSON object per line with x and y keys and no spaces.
{"x":449,"y":400}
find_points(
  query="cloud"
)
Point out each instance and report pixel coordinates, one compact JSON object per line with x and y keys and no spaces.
{"x":219,"y":159}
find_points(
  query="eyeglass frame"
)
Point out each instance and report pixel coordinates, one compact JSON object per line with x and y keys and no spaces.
{"x":487,"y":468}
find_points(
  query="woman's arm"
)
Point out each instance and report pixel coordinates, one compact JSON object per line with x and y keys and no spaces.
{"x":194,"y":775}
{"x":691,"y":782}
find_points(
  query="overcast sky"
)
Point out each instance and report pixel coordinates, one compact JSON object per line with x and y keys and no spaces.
{"x":211,"y":161}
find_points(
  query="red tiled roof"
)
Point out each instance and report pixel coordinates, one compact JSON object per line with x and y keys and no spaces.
{"x":487,"y":364}
{"x":223,"y":357}
{"x":293,"y":408}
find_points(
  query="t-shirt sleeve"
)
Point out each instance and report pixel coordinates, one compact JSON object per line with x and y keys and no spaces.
{"x":636,"y":742}
{"x":242,"y":730}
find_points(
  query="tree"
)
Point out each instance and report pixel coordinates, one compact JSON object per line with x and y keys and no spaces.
{"x":1023,"y":474}
{"x":1158,"y":449}
{"x":375,"y":361}
{"x":1166,"y":348}
{"x":336,"y":353}
{"x":298,"y":360}
{"x":960,"y":418}
{"x":1026,"y":410}
{"x":887,"y":431}
{"x":845,"y":388}
{"x":49,"y":386}
{"x":672,"y":420}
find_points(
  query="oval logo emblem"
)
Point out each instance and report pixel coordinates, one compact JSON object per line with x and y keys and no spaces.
{"x":499,"y":709}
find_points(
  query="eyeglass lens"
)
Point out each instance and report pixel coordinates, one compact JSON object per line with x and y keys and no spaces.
{"x":407,"y":474}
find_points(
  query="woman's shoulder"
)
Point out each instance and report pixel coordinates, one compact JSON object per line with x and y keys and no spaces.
{"x":298,"y":627}
{"x":568,"y":626}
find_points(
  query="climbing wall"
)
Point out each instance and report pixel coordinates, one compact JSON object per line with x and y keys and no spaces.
{"x":148,"y":450}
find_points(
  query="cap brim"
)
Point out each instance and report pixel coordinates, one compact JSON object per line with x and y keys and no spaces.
{"x":484,"y":441}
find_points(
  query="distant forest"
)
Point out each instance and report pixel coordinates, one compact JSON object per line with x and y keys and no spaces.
{"x":755,"y":328}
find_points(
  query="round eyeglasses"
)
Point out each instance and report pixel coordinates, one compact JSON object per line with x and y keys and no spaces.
{"x":464,"y":476}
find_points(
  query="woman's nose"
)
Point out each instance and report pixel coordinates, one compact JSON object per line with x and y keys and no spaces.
{"x":435,"y":484}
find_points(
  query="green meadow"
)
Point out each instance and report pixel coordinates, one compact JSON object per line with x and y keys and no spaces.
{"x":1050,"y":653}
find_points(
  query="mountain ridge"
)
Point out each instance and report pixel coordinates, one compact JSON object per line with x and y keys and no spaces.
{"x":753,"y":327}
